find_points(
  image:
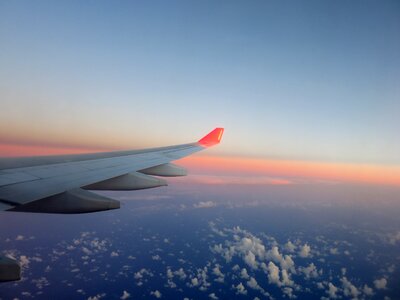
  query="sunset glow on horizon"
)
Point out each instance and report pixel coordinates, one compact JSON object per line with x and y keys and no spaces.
{"x":295,"y":171}
{"x":239,"y":170}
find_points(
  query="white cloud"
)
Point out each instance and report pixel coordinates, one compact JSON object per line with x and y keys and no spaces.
{"x":139,"y":275}
{"x":125,"y":295}
{"x":156,"y":294}
{"x":273,"y":274}
{"x":367,"y":290}
{"x":310,"y":271}
{"x":332,"y":290}
{"x":114,"y":254}
{"x":334,"y":251}
{"x":380,"y":283}
{"x":289,"y":246}
{"x":205,"y":204}
{"x":213,"y":296}
{"x":40,"y":282}
{"x":24,"y":261}
{"x":217,"y":272}
{"x":195,"y":281}
{"x":250,"y":259}
{"x":240,"y":289}
{"x":349,"y":289}
{"x":181,"y":274}
{"x":97,"y":297}
{"x":244,"y":274}
{"x":170,"y":275}
{"x":305,"y":250}
{"x":286,"y":278}
{"x":252,"y":283}
{"x":289,"y":292}
{"x":20,"y":238}
{"x":287,"y":263}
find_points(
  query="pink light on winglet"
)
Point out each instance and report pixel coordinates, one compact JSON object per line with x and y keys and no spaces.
{"x":213,"y":138}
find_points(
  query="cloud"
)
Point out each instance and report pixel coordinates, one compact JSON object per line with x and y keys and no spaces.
{"x":289,"y":246}
{"x":367,"y":290}
{"x":140,"y":274}
{"x":240,"y":289}
{"x":380,"y":284}
{"x":250,"y":259}
{"x":289,"y":292}
{"x":273,"y":274}
{"x":114,"y":254}
{"x":97,"y":297}
{"x":334,"y":251}
{"x":195,"y":281}
{"x":40,"y":282}
{"x":349,"y":289}
{"x":156,"y":294}
{"x":310,"y":271}
{"x":24,"y":261}
{"x":286,"y":278}
{"x":125,"y":295}
{"x":305,"y":250}
{"x":285,"y":262}
{"x":181,"y":274}
{"x":213,"y":296}
{"x":217,"y":272}
{"x":205,"y":204}
{"x":244,"y":274}
{"x":332,"y":290}
{"x":253,"y":284}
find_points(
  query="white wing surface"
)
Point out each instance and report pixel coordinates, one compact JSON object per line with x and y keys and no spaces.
{"x":61,"y":184}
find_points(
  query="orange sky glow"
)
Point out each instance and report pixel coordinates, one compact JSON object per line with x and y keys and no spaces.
{"x":238,"y":170}
{"x":288,"y":171}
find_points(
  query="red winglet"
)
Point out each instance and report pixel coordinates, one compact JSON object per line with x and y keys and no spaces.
{"x":213,"y":138}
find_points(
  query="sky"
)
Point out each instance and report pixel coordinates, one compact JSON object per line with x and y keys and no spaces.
{"x":315,"y":83}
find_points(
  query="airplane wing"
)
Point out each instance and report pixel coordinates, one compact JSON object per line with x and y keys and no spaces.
{"x":62,"y":184}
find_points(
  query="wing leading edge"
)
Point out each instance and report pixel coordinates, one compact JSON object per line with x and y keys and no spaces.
{"x":61,"y":184}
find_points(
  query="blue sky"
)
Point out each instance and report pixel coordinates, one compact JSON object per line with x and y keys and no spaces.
{"x":315,"y":80}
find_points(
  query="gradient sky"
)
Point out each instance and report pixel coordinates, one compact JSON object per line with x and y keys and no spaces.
{"x":308,"y":81}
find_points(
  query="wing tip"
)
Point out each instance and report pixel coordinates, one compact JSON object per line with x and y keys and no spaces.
{"x":212,"y":138}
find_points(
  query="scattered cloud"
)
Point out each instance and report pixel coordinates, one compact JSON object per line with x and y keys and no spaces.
{"x":156,"y":294}
{"x":290,"y":247}
{"x":310,"y":271}
{"x":305,"y":251}
{"x":367,"y":290}
{"x":240,"y":289}
{"x":332,"y":290}
{"x":380,"y":284}
{"x":125,"y":295}
{"x":349,"y":289}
